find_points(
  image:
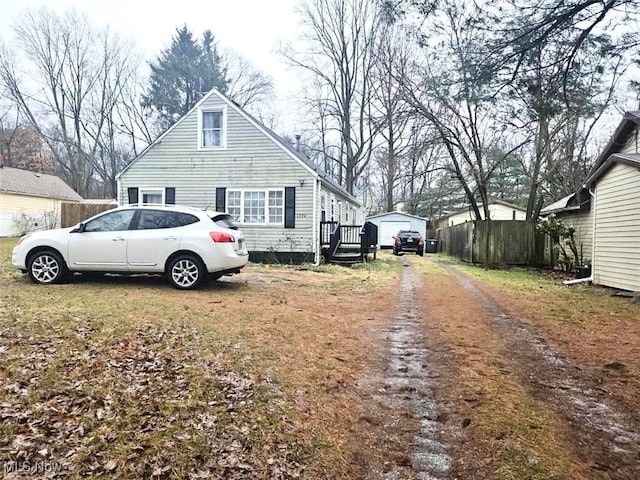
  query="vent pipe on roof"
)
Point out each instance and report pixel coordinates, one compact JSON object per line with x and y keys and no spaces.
{"x":298,"y":142}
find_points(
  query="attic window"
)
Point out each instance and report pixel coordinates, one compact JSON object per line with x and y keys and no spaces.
{"x":212,"y":129}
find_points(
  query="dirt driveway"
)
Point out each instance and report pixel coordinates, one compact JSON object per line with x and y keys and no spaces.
{"x":505,"y":397}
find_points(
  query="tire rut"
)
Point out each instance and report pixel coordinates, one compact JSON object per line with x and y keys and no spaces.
{"x":608,"y":436}
{"x":406,"y":383}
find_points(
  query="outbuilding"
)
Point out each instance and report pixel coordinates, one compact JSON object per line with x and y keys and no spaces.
{"x":390,"y":223}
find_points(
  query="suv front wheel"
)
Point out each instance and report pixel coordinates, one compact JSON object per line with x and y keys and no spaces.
{"x":186,"y":272}
{"x":47,"y":267}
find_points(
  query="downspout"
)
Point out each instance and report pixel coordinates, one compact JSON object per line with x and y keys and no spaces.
{"x":118,"y":192}
{"x":590,"y":278}
{"x":314,"y":229}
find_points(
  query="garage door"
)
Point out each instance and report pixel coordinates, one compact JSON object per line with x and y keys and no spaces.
{"x":388,"y":230}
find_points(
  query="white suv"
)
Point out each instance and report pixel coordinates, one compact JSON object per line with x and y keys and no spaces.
{"x":187,"y":244}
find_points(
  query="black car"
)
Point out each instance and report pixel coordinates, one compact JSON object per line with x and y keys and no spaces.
{"x":408,"y":241}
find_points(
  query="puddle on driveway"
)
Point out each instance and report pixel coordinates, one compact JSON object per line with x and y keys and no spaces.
{"x":407,"y":384}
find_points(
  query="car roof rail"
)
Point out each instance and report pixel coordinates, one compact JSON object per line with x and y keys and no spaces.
{"x":150,"y":205}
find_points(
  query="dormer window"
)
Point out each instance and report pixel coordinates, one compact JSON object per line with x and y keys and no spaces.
{"x":212,"y":129}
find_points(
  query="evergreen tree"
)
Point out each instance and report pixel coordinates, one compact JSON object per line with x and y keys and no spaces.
{"x":182,"y":74}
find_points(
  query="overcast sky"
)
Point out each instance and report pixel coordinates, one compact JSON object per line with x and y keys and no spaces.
{"x":254,"y":28}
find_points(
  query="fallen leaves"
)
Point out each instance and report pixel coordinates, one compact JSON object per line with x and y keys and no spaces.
{"x":143,"y":405}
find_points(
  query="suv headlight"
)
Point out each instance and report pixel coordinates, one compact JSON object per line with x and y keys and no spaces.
{"x":23,"y":238}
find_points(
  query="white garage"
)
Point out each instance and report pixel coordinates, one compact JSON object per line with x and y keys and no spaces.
{"x":390,"y":223}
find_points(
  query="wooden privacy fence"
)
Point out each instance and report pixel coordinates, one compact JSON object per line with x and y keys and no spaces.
{"x":510,"y":242}
{"x":73,"y":213}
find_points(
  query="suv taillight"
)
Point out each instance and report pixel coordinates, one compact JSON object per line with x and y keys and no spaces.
{"x":221,"y":237}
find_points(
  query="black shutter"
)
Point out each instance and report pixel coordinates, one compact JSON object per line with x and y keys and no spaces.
{"x":290,"y":207}
{"x":170,"y":196}
{"x":132,"y":192}
{"x":221,"y":197}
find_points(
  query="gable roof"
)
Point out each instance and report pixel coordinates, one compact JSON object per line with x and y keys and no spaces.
{"x":579,"y":201}
{"x":25,"y":182}
{"x":631,"y":159}
{"x":629,"y":123}
{"x":275,"y":138}
{"x":378,"y":215}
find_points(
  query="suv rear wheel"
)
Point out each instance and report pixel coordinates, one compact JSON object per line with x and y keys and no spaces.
{"x":186,"y":272}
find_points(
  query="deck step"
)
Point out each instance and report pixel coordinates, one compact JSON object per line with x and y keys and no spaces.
{"x":346,"y":258}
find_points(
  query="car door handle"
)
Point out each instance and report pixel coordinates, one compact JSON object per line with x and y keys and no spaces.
{"x":117,"y":239}
{"x":170,"y":237}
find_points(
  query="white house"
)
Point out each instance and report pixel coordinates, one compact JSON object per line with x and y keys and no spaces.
{"x":30,"y":200}
{"x":498,"y":210}
{"x":218,"y":156}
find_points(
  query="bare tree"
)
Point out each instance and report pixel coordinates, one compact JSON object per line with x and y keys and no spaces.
{"x":523,"y":27}
{"x":391,"y":114}
{"x":340,"y":54}
{"x":458,"y":101}
{"x":246,"y":84}
{"x":559,"y":109}
{"x":77,"y":73}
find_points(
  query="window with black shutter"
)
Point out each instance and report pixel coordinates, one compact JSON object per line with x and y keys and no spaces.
{"x":170,"y":196}
{"x":132,"y":193}
{"x":290,"y":207}
{"x":221,"y":194}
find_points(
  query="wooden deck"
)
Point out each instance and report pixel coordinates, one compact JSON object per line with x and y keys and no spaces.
{"x":348,"y":244}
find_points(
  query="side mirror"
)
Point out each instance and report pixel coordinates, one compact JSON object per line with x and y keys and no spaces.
{"x":79,"y":228}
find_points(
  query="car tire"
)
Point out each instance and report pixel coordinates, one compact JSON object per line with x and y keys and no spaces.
{"x":186,"y":272}
{"x":47,"y":267}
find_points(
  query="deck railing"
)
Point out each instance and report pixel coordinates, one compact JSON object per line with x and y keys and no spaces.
{"x":326,"y":229}
{"x":350,"y":234}
{"x":362,"y":237}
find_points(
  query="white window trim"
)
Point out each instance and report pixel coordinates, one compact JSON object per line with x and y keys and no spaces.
{"x":266,"y":205}
{"x":223,"y":135}
{"x":153,"y":191}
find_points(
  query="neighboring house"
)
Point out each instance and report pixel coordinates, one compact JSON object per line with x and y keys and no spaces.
{"x":390,"y":223}
{"x":219,"y":157}
{"x":607,"y":209}
{"x":575,"y":211}
{"x":615,"y":182}
{"x":31,"y":201}
{"x":498,"y":210}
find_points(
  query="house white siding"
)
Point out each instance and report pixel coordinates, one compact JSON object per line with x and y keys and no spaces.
{"x":583,"y":224}
{"x":496,"y":211}
{"x":19,"y":211}
{"x":617,"y":236}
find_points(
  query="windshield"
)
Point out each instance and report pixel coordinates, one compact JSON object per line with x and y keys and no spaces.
{"x":406,"y":234}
